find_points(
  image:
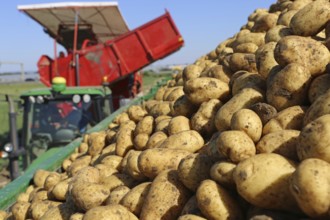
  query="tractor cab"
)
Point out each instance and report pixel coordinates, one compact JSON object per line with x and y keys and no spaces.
{"x":53,"y":117}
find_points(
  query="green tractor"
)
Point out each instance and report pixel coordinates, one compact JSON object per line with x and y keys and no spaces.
{"x":53,"y":117}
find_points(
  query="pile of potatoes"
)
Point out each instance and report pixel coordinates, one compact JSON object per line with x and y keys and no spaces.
{"x":242,"y":133}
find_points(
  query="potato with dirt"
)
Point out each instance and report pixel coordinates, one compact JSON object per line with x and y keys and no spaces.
{"x":318,"y":87}
{"x":263,"y":181}
{"x":288,"y":87}
{"x":310,"y":185}
{"x":265,"y":60}
{"x":166,"y":197}
{"x":203,"y":89}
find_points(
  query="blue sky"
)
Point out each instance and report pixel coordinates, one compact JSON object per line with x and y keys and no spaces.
{"x":203,"y":25}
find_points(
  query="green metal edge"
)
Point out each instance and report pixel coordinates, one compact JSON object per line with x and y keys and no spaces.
{"x":52,"y":159}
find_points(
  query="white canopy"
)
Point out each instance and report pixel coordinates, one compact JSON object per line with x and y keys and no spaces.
{"x":104,"y":18}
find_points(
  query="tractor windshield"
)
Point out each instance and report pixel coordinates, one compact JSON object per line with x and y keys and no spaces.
{"x":55,"y":123}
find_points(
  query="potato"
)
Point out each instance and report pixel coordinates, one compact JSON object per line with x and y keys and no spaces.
{"x":190,"y":141}
{"x":314,"y":58}
{"x":3,"y":215}
{"x":265,"y":60}
{"x":265,"y":22}
{"x":191,"y":207}
{"x":116,"y":195}
{"x":105,"y":170}
{"x":96,"y":142}
{"x":310,"y":185}
{"x":162,"y":125}
{"x":235,"y":145}
{"x":314,"y":140}
{"x":255,"y":213}
{"x":60,"y":190}
{"x":52,"y":179}
{"x":156,"y":139}
{"x":250,"y":37}
{"x":243,"y":99}
{"x":288,"y":87}
{"x":39,"y":195}
{"x":195,"y":89}
{"x":222,"y":173}
{"x":248,"y":80}
{"x":166,"y":197}
{"x":248,"y":121}
{"x":39,"y":177}
{"x":113,"y":212}
{"x":60,"y":212}
{"x":124,"y":140}
{"x":191,"y":71}
{"x":183,"y":106}
{"x":118,"y":179}
{"x":109,"y":150}
{"x":20,"y":210}
{"x":83,"y":148}
{"x":282,"y":142}
{"x":121,"y":118}
{"x":191,"y":217}
{"x":135,"y":198}
{"x":303,"y":23}
{"x":262,"y":180}
{"x":39,"y":208}
{"x":153,"y":161}
{"x":285,"y":17}
{"x":245,"y":48}
{"x":88,"y":195}
{"x":162,"y":108}
{"x":160,"y":93}
{"x":297,"y":5}
{"x":216,"y":203}
{"x":264,"y":111}
{"x":87,"y":174}
{"x":77,"y":216}
{"x":136,"y":113}
{"x":176,"y":93}
{"x":243,"y":61}
{"x":112,"y":161}
{"x":275,"y":34}
{"x":318,"y":108}
{"x":193,"y":169}
{"x":140,"y":141}
{"x":132,"y":167}
{"x":290,"y":118}
{"x":66,"y":164}
{"x":23,"y":197}
{"x":203,"y":119}
{"x":145,"y":126}
{"x":178,"y":124}
{"x":78,"y":164}
{"x":318,"y":87}
{"x":220,"y":72}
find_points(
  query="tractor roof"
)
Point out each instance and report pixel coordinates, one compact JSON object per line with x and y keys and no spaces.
{"x":101,"y":20}
{"x":69,"y":91}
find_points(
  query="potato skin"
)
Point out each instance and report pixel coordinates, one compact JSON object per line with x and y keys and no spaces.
{"x":203,"y":119}
{"x":310,"y":185}
{"x":290,"y":118}
{"x":153,"y":161}
{"x":263,"y":180}
{"x":283,"y":142}
{"x":248,"y":121}
{"x":314,"y":141}
{"x":196,"y":92}
{"x":216,"y":203}
{"x":222,"y":173}
{"x":303,"y":23}
{"x":265,"y":60}
{"x":178,"y":124}
{"x":190,"y":141}
{"x":193,"y":169}
{"x":318,"y":108}
{"x":244,"y":99}
{"x":315,"y":57}
{"x":288,"y":87}
{"x":134,"y":199}
{"x":318,"y":87}
{"x":114,"y":212}
{"x":235,"y":145}
{"x":191,"y":217}
{"x":169,"y":205}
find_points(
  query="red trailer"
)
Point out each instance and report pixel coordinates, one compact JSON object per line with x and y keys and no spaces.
{"x":100,"y":47}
